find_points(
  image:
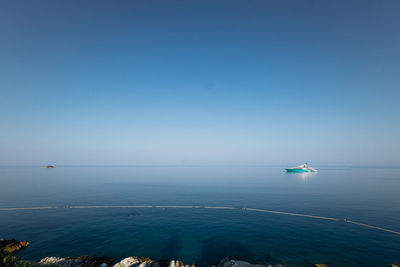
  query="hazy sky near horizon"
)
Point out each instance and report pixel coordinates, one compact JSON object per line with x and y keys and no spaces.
{"x":199,"y":82}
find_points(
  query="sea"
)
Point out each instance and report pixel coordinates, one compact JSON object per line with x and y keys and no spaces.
{"x":201,"y":214}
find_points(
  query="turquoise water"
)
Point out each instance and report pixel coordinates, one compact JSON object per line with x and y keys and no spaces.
{"x":367,"y":195}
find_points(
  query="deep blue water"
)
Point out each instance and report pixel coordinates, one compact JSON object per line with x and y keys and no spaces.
{"x":368,"y":195}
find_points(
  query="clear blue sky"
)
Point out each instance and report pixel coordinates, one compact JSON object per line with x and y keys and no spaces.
{"x":199,"y":82}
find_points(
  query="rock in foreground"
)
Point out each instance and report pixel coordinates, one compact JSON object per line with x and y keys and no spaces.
{"x":136,"y":261}
{"x":62,"y":262}
{"x":81,"y":261}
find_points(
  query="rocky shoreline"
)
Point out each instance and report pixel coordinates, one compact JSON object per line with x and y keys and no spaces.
{"x":135,"y":261}
{"x":9,"y":247}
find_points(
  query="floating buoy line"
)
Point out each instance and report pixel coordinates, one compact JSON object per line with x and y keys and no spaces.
{"x":210,"y":207}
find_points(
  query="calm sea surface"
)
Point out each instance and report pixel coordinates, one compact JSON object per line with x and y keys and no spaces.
{"x":201,"y":235}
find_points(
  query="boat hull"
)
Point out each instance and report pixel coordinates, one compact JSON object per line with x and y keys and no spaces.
{"x":297,"y":170}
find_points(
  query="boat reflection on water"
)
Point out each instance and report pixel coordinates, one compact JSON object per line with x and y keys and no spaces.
{"x":304,"y":177}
